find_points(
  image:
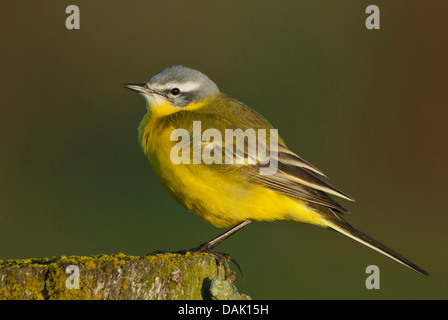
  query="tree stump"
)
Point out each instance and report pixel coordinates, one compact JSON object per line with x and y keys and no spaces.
{"x":119,"y":277}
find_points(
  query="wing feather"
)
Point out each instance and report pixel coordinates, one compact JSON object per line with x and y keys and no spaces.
{"x":294,"y":177}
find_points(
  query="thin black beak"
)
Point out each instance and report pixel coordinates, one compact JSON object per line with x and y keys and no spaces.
{"x":139,"y":87}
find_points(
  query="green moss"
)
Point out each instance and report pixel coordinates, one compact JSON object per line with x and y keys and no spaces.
{"x":121,"y":276}
{"x":18,"y":288}
{"x":224,"y":290}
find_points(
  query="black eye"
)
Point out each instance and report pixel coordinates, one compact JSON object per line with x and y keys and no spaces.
{"x":175,"y":91}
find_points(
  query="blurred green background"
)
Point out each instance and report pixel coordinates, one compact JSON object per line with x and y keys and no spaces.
{"x":369,"y":108}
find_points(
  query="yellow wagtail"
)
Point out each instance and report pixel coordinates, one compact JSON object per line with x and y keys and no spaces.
{"x":226,"y":185}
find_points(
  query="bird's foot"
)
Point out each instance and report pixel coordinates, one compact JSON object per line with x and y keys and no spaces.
{"x":220,"y":257}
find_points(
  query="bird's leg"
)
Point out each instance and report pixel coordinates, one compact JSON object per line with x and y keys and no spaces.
{"x":210,"y":245}
{"x":213,"y":243}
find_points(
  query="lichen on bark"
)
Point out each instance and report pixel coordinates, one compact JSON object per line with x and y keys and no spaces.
{"x":110,"y":277}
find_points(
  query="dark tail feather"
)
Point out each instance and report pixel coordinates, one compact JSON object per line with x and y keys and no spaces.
{"x":349,"y":231}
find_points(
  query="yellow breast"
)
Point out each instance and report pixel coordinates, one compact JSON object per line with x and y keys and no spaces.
{"x":223,"y":198}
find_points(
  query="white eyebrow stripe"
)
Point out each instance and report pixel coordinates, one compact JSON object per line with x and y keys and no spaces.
{"x":187,"y":86}
{"x":184,"y":87}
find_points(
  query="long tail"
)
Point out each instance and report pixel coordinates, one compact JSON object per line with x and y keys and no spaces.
{"x":346,"y":229}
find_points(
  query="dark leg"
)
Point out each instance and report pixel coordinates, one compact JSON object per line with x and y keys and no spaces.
{"x":210,"y":245}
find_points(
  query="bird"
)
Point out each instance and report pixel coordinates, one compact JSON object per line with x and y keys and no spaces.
{"x":188,"y":116}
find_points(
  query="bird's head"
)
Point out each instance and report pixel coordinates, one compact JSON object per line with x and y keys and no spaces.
{"x":175,"y":87}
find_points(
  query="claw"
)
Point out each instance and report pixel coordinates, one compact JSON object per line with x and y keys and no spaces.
{"x":220,"y":257}
{"x":208,"y":247}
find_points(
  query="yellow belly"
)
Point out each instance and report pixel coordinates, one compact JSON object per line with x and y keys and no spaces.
{"x":225,"y":201}
{"x":223,"y":198}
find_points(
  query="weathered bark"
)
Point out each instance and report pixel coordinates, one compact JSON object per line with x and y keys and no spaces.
{"x":109,"y":277}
